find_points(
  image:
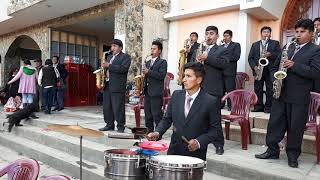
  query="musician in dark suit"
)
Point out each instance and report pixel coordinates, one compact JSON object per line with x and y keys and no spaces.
{"x":155,"y":73}
{"x":193,"y":113}
{"x":229,"y":73}
{"x":272,"y":51}
{"x":215,"y":59}
{"x":118,"y":64}
{"x":289,"y":113}
{"x":194,"y":46}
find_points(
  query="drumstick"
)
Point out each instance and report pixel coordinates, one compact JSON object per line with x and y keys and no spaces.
{"x":185,"y":139}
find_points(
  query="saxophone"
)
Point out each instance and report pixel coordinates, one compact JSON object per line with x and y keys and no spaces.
{"x":263,"y":61}
{"x":282,"y":72}
{"x":101,"y":74}
{"x":139,"y":79}
{"x":183,"y":60}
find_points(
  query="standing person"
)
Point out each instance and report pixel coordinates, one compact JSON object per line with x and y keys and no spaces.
{"x":289,"y":113}
{"x":193,"y":47}
{"x":39,"y":66}
{"x":193,"y":114}
{"x":272,"y":48}
{"x":117,"y":64}
{"x":155,"y":73}
{"x":316,"y":22}
{"x":229,"y":73}
{"x":47,"y":79}
{"x":27,"y":86}
{"x":63,"y":74}
{"x":215,"y":59}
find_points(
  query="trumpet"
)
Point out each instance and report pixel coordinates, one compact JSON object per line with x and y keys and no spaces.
{"x":262,"y":62}
{"x":140,"y":79}
{"x":201,"y":49}
{"x":101,"y":74}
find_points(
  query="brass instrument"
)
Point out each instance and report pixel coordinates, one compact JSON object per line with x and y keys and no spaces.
{"x":282,"y":72}
{"x":183,"y":60}
{"x":201,"y":49}
{"x":101,"y":74}
{"x":315,"y":37}
{"x":262,"y":62}
{"x":139,"y":79}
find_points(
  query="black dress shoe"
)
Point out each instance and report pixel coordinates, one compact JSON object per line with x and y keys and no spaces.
{"x":60,"y":109}
{"x":219,"y":150}
{"x":106,"y":129}
{"x":33,"y":116}
{"x":18,"y":124}
{"x":293,"y":163}
{"x":54,"y":109}
{"x":257,"y":110}
{"x":267,"y":155}
{"x":120,"y":130}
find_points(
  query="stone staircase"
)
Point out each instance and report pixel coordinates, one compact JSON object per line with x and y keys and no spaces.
{"x":62,"y":151}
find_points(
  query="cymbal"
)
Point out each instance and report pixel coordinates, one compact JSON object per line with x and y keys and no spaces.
{"x":75,"y":130}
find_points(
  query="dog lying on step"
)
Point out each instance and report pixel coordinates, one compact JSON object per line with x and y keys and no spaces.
{"x":25,"y":113}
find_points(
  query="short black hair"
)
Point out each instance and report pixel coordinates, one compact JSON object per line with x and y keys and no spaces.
{"x":117,"y":42}
{"x":27,"y":62}
{"x":48,"y":62}
{"x":228,"y":32}
{"x":158,"y":43}
{"x":265,"y":28}
{"x":195,"y":33}
{"x":58,"y":58}
{"x":316,"y":19}
{"x":197,"y":67}
{"x":212,"y":28}
{"x":305,"y":24}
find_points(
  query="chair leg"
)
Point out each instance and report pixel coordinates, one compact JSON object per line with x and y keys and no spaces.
{"x":244,"y":134}
{"x":227,"y":129}
{"x":318,"y":145}
{"x":137,"y":115}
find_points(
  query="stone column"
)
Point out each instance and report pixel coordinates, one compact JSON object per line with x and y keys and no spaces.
{"x":137,"y":24}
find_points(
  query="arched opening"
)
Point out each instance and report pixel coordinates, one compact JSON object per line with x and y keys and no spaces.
{"x":23,"y":47}
{"x":295,"y":10}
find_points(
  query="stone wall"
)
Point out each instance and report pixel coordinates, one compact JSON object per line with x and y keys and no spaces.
{"x":16,"y":5}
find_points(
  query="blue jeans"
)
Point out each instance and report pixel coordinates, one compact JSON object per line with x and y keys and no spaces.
{"x":58,"y":100}
{"x":27,"y":98}
{"x":47,"y":94}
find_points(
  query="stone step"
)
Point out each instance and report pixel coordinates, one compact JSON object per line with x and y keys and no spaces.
{"x":57,"y":159}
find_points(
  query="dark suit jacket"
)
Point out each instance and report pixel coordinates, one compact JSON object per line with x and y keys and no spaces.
{"x":218,"y":59}
{"x":300,"y":78}
{"x":234,"y":50}
{"x":153,"y":83}
{"x":254,"y":55}
{"x":202,"y":123}
{"x":62,"y":71}
{"x":193,"y":50}
{"x":118,"y":72}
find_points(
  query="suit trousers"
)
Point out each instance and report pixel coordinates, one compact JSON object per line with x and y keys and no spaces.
{"x":219,"y":139}
{"x":290,"y":118}
{"x":113,"y":108}
{"x":258,"y":89}
{"x":229,"y":85}
{"x":153,"y":111}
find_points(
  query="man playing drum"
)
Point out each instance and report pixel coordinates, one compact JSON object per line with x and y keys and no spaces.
{"x":194,"y":114}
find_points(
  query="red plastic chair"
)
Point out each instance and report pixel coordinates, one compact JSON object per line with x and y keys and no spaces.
{"x":312,"y":125}
{"x":166,"y":98}
{"x":241,"y":79}
{"x":57,"y":177}
{"x":241,"y":101}
{"x":23,"y":169}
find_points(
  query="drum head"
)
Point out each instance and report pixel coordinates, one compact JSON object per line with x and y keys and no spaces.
{"x":177,"y":161}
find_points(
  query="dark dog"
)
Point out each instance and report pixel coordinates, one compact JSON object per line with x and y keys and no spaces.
{"x":25,"y":113}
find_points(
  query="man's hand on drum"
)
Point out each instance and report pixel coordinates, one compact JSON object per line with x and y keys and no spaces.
{"x":193,"y":145}
{"x":153,"y":136}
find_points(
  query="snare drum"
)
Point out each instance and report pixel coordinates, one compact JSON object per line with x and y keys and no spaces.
{"x":124,"y":164}
{"x":175,"y":167}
